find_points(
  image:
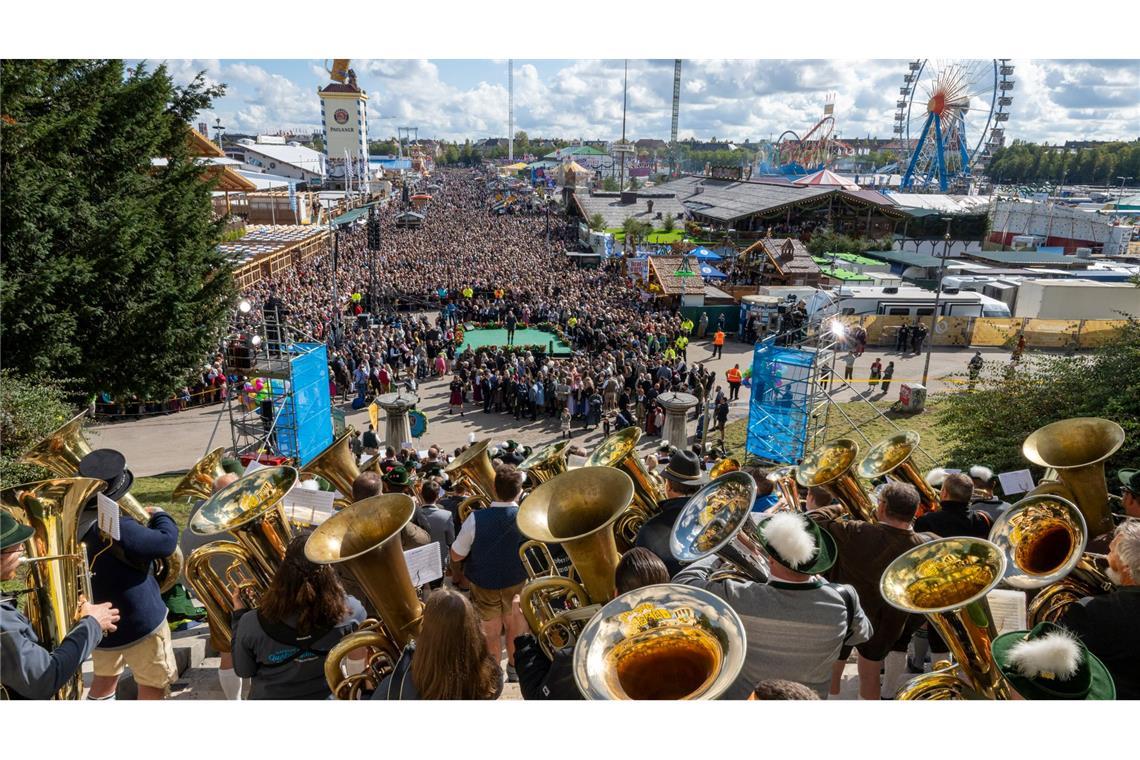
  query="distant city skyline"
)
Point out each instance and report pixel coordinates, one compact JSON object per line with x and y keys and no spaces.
{"x":1053,"y":100}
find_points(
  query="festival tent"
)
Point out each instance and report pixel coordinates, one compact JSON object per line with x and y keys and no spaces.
{"x":826,"y":178}
{"x":572,"y":173}
{"x":515,"y":167}
{"x":701,"y":253}
{"x":709,"y":272}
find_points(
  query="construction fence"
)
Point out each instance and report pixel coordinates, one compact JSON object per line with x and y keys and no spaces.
{"x":999,"y":333}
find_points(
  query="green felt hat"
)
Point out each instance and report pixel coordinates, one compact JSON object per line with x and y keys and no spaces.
{"x":398,"y":476}
{"x":1130,"y":479}
{"x":1035,"y":664}
{"x":824,"y":550}
{"x":12,"y":531}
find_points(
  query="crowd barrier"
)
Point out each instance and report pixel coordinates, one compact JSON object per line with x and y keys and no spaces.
{"x":994,"y":332}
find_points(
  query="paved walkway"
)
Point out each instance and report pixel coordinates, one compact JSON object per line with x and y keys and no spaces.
{"x":172,"y":443}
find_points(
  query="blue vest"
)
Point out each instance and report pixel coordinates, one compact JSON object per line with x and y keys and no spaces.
{"x":493,"y":562}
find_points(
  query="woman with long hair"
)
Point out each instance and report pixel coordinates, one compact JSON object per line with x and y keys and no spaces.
{"x":449,"y":659}
{"x":282,"y":644}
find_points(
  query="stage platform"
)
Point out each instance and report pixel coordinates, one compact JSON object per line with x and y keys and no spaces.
{"x":481,"y":338}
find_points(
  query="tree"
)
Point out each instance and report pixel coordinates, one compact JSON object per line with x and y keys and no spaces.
{"x":610,"y":185}
{"x":30,"y":408}
{"x":989,"y":424}
{"x":522,"y":143}
{"x":597,"y":222}
{"x":111,"y":271}
{"x":668,"y":223}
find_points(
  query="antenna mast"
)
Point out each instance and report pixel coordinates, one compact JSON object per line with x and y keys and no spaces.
{"x":511,"y":110}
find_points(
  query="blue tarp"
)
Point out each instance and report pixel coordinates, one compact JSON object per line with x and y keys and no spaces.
{"x":704,"y":254}
{"x":780,"y":402}
{"x":709,"y":272}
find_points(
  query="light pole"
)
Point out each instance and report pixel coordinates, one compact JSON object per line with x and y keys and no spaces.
{"x":937,"y":299}
{"x":218,"y":129}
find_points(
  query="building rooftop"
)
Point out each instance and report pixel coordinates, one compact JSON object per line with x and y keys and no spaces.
{"x":726,"y":200}
{"x":1028,"y":258}
{"x":908,"y":258}
{"x":614,"y":212}
{"x":294,"y":155}
{"x":664,"y":268}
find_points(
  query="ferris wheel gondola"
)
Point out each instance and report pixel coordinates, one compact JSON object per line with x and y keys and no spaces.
{"x":951,"y":118}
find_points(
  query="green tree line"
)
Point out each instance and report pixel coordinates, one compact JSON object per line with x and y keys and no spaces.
{"x":1096,"y":165}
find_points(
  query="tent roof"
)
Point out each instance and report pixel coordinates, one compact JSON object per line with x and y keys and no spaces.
{"x":700,"y":253}
{"x":826,"y":178}
{"x":708,"y":270}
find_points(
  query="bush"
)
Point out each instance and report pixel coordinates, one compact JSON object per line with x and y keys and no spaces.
{"x":988,"y":425}
{"x":826,"y":241}
{"x":29,"y":410}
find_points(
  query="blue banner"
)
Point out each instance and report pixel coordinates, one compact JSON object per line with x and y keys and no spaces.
{"x":304,"y":427}
{"x":779,"y":407}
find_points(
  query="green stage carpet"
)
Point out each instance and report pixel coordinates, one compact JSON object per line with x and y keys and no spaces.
{"x":476,"y":339}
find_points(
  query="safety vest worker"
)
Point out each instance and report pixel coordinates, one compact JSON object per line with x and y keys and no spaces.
{"x":718,"y":339}
{"x":733,"y":375}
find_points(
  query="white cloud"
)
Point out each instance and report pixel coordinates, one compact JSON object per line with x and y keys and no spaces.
{"x":734,"y":99}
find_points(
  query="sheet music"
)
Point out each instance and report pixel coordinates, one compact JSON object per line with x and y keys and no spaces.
{"x":1018,"y":481}
{"x":424,"y":564}
{"x":313,"y":507}
{"x":253,"y":466}
{"x":1008,"y":607}
{"x":108,"y":517}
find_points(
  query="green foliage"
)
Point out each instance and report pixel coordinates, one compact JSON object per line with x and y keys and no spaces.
{"x":1095,"y":165}
{"x":668,"y":223}
{"x":111,"y":272}
{"x":29,"y":410}
{"x":989,"y":424}
{"x":597,"y":222}
{"x":610,"y":185}
{"x":387,"y":147}
{"x":826,"y":241}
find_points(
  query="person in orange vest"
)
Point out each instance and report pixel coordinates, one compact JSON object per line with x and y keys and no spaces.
{"x":718,"y":344}
{"x":734,"y":379}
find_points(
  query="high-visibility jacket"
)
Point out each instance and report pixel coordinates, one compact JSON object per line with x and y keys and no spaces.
{"x":733,"y":375}
{"x":718,"y":339}
{"x":687,"y":325}
{"x":670,"y":354}
{"x":681,"y":342}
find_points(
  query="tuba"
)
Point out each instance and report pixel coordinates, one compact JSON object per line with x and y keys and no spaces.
{"x":577,"y":510}
{"x":337,"y":465}
{"x":947,"y":581}
{"x":366,"y":538}
{"x":251,"y":509}
{"x":199,"y":482}
{"x":784,"y":479}
{"x":59,"y":569}
{"x":619,"y":451}
{"x":832,"y":465}
{"x":61,"y":451}
{"x":891,"y":458}
{"x":1076,"y":449}
{"x":660,"y":642}
{"x":474,"y":470}
{"x":1044,"y":539}
{"x":545,"y":463}
{"x":718,"y":520}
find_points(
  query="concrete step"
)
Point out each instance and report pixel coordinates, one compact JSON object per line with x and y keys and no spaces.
{"x":190,"y":652}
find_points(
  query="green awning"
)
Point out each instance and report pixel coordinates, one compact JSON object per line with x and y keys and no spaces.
{"x":351,"y":216}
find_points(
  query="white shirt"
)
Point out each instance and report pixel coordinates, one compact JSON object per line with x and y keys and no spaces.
{"x":466,"y":537}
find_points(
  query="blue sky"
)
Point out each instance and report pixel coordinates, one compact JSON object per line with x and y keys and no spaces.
{"x":1054,"y":100}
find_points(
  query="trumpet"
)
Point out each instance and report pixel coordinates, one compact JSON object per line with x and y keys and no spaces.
{"x":251,"y":509}
{"x":832,"y":466}
{"x":577,"y":510}
{"x":718,"y":520}
{"x":660,"y":642}
{"x":619,"y":451}
{"x":62,"y":451}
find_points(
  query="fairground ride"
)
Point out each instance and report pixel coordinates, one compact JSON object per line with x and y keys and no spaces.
{"x":951,"y":117}
{"x":812,"y":152}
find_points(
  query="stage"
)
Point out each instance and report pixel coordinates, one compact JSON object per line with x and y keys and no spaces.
{"x":481,"y":338}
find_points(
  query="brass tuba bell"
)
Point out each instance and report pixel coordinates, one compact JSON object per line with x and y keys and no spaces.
{"x":337,"y":465}
{"x":365,"y":537}
{"x":660,"y":642}
{"x":947,"y":581}
{"x":545,"y":463}
{"x":576,"y":509}
{"x":891,"y":458}
{"x":473,"y":470}
{"x":250,"y":509}
{"x":833,"y":466}
{"x":199,"y":481}
{"x":61,"y":452}
{"x":784,"y":479}
{"x":1077,"y":449}
{"x":619,"y":451}
{"x":718,"y":520}
{"x":59,"y":570}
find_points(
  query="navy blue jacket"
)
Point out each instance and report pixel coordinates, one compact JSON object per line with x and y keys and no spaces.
{"x":121,"y":575}
{"x":493,"y":562}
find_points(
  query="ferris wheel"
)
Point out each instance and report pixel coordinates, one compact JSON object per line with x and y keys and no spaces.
{"x":951,"y":117}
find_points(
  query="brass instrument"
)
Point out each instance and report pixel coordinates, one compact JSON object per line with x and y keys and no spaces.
{"x":576,"y":509}
{"x":366,"y":538}
{"x":784,"y":479}
{"x":59,"y":569}
{"x":1077,"y":449}
{"x":723,"y":467}
{"x":252,"y":510}
{"x":947,"y":581}
{"x":660,"y":642}
{"x":1044,"y":538}
{"x":199,"y":482}
{"x":891,"y":458}
{"x":832,"y":465}
{"x":619,"y":451}
{"x":337,"y":465}
{"x":473,"y":470}
{"x":545,"y":463}
{"x":718,"y":520}
{"x":61,"y":451}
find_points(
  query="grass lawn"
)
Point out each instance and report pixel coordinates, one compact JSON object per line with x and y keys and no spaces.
{"x":156,"y":492}
{"x":871,"y":425}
